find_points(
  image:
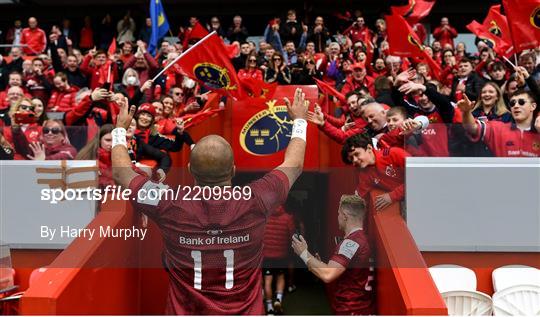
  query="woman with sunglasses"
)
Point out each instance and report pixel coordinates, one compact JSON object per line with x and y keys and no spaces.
{"x":54,"y":143}
{"x":277,"y":71}
{"x":24,"y":125}
{"x":308,"y":73}
{"x":251,"y":70}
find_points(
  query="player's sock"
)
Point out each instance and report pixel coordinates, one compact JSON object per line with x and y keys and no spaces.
{"x":279,"y":296}
{"x":269,"y":305}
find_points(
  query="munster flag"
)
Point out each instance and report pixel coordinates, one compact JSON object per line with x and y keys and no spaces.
{"x":524,"y":21}
{"x":415,"y":11}
{"x":208,"y":63}
{"x":112,"y":47}
{"x":197,"y":32}
{"x":500,"y":47}
{"x":404,"y":42}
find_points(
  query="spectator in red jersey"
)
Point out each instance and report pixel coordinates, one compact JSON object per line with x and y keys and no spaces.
{"x":63,"y":96}
{"x":37,"y":82}
{"x":512,"y":139}
{"x":445,"y":33}
{"x":382,"y":169}
{"x":359,"y":31}
{"x":420,"y":30}
{"x":380,"y":33}
{"x":236,"y":260}
{"x":13,"y":97}
{"x":251,"y":70}
{"x":15,"y":79}
{"x":54,"y":144}
{"x":23,"y":121}
{"x":34,"y":38}
{"x":127,"y":52}
{"x":279,"y":229}
{"x":358,"y":79}
{"x":167,"y":123}
{"x":98,"y":70}
{"x":349,"y":265}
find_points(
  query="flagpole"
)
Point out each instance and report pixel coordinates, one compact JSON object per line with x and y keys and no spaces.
{"x":182,"y":55}
{"x":509,"y":62}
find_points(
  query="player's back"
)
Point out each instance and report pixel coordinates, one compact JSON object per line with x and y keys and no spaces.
{"x":213,"y":249}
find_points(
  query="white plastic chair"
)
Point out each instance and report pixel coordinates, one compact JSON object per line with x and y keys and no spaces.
{"x":512,"y":275}
{"x":467,"y":303}
{"x":520,"y":300}
{"x":450,"y":277}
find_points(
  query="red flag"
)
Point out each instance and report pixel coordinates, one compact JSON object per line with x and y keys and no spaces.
{"x":326,"y":89}
{"x":405,"y":43}
{"x":498,"y":44}
{"x":497,"y":24}
{"x":415,"y":11}
{"x":112,"y":47}
{"x":191,"y":120}
{"x":208,"y":63}
{"x":256,"y":88}
{"x":232,"y":50}
{"x":524,"y":22}
{"x":197,"y":32}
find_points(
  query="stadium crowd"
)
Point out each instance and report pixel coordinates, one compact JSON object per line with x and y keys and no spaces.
{"x":62,"y":89}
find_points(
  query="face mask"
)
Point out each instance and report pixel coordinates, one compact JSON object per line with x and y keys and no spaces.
{"x":131,"y":80}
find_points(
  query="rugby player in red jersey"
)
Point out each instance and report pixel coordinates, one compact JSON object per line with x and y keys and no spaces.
{"x":213,"y":248}
{"x":349,"y":265}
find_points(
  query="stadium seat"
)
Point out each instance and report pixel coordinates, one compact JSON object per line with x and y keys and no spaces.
{"x":513,"y":275}
{"x":467,"y":303}
{"x":450,"y":277}
{"x":519,"y":300}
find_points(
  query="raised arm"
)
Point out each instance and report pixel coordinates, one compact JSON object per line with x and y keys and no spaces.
{"x":123,"y":174}
{"x":294,"y":155}
{"x":469,"y":123}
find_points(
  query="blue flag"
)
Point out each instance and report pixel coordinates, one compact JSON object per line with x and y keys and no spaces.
{"x":160,"y":25}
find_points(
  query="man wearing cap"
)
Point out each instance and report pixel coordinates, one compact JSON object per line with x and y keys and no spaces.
{"x":358,"y":79}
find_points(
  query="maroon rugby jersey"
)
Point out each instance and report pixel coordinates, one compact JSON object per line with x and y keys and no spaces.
{"x":353,"y":290}
{"x":213,"y":248}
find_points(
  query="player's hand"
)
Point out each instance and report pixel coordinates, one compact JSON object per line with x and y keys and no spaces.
{"x":299,"y":107}
{"x":39,"y":151}
{"x":299,"y":245}
{"x":125,"y":115}
{"x":382,"y":201}
{"x":465,"y":105}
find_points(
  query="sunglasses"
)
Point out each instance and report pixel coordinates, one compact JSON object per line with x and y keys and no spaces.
{"x":310,"y":62}
{"x":52,"y":130}
{"x":519,"y":101}
{"x":26,"y":107}
{"x":252,"y":60}
{"x":277,"y":59}
{"x":178,"y":93}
